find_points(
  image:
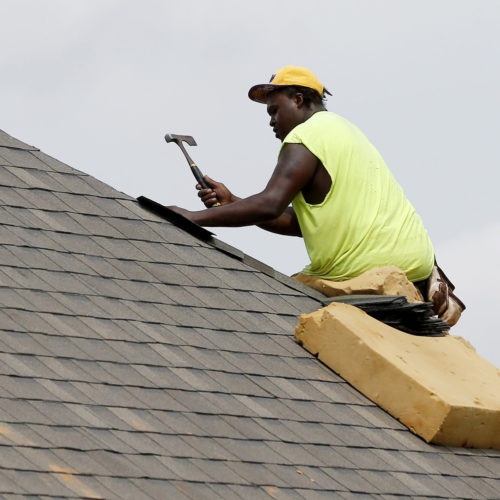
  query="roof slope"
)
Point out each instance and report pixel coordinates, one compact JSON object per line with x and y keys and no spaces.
{"x":137,"y":361}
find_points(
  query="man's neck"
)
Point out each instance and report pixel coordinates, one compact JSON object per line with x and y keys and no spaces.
{"x":315,"y":108}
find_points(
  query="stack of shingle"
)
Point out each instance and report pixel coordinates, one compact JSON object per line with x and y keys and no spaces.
{"x":394,"y":310}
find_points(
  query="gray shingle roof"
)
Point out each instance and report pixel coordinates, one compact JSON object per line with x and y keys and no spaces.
{"x":137,"y":361}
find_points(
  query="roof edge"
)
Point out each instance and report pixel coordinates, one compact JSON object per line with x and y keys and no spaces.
{"x":8,"y":141}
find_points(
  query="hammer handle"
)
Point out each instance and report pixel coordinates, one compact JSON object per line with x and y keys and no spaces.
{"x":199,"y":176}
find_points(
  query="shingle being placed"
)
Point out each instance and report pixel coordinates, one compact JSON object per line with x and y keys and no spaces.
{"x":144,"y":359}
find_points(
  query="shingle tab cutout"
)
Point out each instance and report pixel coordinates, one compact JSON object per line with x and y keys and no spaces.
{"x":129,"y":368}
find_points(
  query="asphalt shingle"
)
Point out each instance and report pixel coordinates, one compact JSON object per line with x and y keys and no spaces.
{"x":137,"y":361}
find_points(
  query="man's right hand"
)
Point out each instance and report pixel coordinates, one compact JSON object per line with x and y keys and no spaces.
{"x":216,"y":193}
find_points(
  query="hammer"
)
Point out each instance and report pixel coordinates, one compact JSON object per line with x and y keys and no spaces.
{"x":178,"y":139}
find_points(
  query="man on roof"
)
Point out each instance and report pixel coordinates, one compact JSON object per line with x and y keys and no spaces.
{"x":345,"y":203}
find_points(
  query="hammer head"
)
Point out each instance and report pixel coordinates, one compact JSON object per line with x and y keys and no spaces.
{"x":179,"y":138}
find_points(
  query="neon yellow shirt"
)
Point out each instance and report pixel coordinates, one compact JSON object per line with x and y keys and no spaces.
{"x":365,"y":220}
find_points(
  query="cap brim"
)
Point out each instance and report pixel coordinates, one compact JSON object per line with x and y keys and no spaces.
{"x":258,"y":93}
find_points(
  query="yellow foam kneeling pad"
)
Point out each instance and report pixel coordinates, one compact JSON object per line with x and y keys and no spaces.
{"x":438,"y":387}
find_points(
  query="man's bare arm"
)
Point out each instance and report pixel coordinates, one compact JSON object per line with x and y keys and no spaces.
{"x":295,"y":168}
{"x":286,"y":224}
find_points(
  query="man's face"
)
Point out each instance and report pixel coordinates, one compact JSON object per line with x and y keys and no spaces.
{"x":284,"y":112}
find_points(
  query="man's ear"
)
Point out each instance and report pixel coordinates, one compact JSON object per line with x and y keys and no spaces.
{"x":298,"y":98}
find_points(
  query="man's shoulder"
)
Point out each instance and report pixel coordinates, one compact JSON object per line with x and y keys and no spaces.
{"x":321,"y":129}
{"x":322,"y":123}
{"x":324,"y":119}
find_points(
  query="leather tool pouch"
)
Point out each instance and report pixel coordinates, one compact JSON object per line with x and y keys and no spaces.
{"x":440,"y":292}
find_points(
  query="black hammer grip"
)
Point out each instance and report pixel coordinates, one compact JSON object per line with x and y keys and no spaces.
{"x":199,"y":176}
{"x":201,"y":180}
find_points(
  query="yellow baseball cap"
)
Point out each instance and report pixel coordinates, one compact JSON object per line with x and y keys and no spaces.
{"x":284,"y":77}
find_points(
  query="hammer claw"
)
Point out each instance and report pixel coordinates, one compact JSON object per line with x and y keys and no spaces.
{"x":179,"y":138}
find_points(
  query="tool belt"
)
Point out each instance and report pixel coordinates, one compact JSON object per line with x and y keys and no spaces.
{"x":438,"y":290}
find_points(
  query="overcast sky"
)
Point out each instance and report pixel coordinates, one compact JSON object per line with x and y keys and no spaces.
{"x":98,"y":83}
